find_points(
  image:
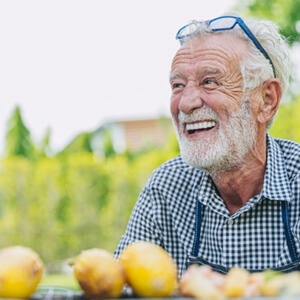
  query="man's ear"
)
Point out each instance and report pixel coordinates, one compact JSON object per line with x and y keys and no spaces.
{"x":271,"y":96}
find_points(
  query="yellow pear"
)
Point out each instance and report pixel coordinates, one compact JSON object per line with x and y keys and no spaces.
{"x":99,"y":274}
{"x":149,"y":269}
{"x":21,"y":270}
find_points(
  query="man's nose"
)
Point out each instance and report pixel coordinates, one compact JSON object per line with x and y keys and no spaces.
{"x":190,"y":99}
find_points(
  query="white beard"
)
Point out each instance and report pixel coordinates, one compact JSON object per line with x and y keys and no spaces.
{"x":222,"y":151}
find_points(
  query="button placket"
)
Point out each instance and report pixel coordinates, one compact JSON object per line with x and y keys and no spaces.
{"x":228,"y":237}
{"x":230,"y":221}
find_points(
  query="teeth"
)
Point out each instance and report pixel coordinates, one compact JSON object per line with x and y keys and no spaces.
{"x":200,"y":125}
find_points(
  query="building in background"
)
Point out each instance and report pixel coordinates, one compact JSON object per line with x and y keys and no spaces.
{"x":132,"y":135}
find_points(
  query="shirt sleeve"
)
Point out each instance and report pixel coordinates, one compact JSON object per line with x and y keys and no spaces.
{"x":142,"y":225}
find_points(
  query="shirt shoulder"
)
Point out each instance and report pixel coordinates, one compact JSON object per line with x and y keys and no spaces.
{"x":291,"y":155}
{"x":172,"y":173}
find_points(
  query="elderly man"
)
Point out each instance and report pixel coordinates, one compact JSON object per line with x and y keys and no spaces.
{"x":233,"y":196}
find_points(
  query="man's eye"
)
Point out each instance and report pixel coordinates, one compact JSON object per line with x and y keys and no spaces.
{"x":209,"y":81}
{"x":177,"y":86}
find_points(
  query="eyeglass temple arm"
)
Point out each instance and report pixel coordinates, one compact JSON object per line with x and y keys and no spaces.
{"x":256,"y":42}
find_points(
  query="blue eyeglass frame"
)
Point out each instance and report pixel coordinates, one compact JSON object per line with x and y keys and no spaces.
{"x":242,"y":25}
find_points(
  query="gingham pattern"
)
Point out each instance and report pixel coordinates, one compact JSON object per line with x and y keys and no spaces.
{"x":252,"y":238}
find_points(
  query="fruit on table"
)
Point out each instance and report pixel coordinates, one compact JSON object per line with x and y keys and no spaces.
{"x":99,"y":274}
{"x":236,"y":282}
{"x":273,"y":286}
{"x":21,"y":270}
{"x":280,"y":284}
{"x":202,"y":283}
{"x":149,"y":269}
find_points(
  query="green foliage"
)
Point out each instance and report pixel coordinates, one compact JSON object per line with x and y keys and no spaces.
{"x":81,"y":143}
{"x":287,"y":122}
{"x":18,"y":139}
{"x":62,"y":205}
{"x":44,"y":147}
{"x":108,"y":147}
{"x":285,"y":13}
{"x":60,"y":280}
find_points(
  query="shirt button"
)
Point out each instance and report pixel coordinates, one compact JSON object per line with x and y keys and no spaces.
{"x":230,"y":221}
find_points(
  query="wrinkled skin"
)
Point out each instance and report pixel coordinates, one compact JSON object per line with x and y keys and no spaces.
{"x":205,"y":74}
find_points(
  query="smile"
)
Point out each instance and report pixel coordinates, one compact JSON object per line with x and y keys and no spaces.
{"x":201,"y":125}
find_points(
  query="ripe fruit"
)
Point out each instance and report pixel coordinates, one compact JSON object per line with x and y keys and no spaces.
{"x":201,"y":282}
{"x":149,"y":269}
{"x":99,"y":274}
{"x":236,"y":282}
{"x":21,"y":270}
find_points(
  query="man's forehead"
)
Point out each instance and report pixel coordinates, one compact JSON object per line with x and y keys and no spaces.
{"x":216,"y":51}
{"x":222,"y":42}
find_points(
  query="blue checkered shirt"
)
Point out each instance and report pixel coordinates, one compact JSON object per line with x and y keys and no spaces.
{"x":252,"y":238}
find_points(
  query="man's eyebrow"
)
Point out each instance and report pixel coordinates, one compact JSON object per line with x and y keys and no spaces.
{"x":204,"y":72}
{"x":175,"y":76}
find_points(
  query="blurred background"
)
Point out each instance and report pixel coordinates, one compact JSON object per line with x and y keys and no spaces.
{"x":84,"y":115}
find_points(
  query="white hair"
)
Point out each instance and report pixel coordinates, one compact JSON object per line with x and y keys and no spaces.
{"x":255,"y":68}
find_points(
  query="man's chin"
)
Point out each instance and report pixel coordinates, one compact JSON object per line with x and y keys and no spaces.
{"x":213,"y":167}
{"x":195,"y":161}
{"x":211,"y":158}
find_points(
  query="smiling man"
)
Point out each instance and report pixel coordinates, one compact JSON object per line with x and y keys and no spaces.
{"x":232,"y":198}
{"x":215,"y":124}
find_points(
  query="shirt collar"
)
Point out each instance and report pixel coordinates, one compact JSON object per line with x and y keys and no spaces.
{"x":208,"y":191}
{"x":276,"y":184}
{"x":276,"y":181}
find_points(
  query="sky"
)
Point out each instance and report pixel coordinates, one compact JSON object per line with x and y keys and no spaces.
{"x":73,"y":65}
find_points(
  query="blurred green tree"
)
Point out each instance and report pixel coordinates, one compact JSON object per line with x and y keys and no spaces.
{"x":80,"y":144}
{"x":285,"y":13}
{"x":108,"y":146}
{"x":44,"y":147}
{"x":18,"y":138}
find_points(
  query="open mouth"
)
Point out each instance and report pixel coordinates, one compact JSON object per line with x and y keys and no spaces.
{"x":199,"y":126}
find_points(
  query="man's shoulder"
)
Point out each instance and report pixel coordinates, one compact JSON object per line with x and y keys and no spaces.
{"x":291,"y":153}
{"x":175,"y":164}
{"x":174,"y":169}
{"x":288,"y":147}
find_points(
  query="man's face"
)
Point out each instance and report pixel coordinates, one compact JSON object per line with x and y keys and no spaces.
{"x":214,"y":124}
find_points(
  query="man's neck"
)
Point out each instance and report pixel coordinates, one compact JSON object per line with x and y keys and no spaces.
{"x":237,"y":186}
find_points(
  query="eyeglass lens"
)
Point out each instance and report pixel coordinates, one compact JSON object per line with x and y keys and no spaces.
{"x":224,"y":23}
{"x":188,"y":30}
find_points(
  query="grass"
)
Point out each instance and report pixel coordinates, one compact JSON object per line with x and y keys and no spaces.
{"x":62,"y":280}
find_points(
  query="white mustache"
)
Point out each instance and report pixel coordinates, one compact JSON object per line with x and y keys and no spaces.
{"x":204,"y":113}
